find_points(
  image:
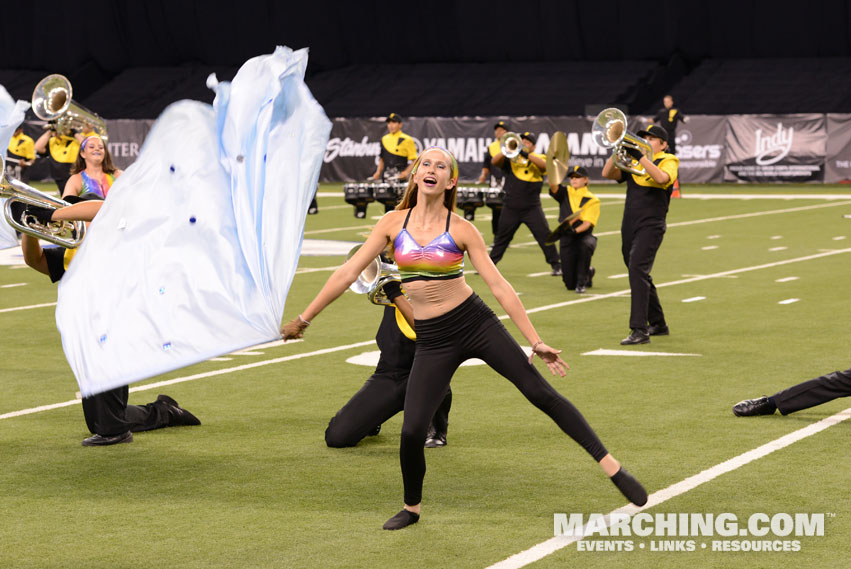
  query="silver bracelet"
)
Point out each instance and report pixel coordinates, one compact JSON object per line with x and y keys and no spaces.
{"x":305,"y":322}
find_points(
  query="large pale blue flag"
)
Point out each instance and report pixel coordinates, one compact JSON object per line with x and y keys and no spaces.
{"x":193,"y":252}
{"x":11,"y":115}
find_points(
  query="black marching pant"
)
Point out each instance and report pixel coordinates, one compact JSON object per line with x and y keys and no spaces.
{"x":380,"y":398}
{"x":534,"y":218}
{"x":814,"y":392}
{"x":471,"y":330}
{"x":496,"y":211}
{"x":576,"y":250}
{"x":640,"y":242}
{"x":108,"y":414}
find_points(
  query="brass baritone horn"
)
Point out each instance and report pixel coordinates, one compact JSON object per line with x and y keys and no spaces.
{"x":52,"y":102}
{"x":609,"y":131}
{"x":68,"y":234}
{"x":373,"y":278}
{"x":510,"y":145}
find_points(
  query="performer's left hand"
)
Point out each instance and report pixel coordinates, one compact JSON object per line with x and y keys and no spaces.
{"x":551,"y":358}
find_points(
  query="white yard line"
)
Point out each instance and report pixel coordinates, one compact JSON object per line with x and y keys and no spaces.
{"x":553,"y":544}
{"x":214,"y":373}
{"x":586,"y":298}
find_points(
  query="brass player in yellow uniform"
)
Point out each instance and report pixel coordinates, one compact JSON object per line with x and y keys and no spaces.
{"x":21,"y":150}
{"x":642,"y":230}
{"x":578,"y":245}
{"x":524,"y":178}
{"x":62,"y":151}
{"x":397,"y":150}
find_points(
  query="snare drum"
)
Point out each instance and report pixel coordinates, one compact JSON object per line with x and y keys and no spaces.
{"x":494,"y":197}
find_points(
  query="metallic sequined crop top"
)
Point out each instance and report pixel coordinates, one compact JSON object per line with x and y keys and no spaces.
{"x":440,"y":259}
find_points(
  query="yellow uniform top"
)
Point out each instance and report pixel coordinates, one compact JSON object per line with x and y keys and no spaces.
{"x":400,"y":144}
{"x":64,"y":148}
{"x":525,"y":170}
{"x":583,"y":198}
{"x":22,"y":146}
{"x":668,"y":163}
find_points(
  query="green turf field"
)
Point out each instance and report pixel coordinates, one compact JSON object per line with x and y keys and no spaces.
{"x":256,"y":487}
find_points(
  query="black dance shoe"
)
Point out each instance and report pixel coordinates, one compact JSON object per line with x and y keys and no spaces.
{"x":630,"y":487}
{"x":177,"y":416}
{"x":636,"y":337}
{"x":401,"y":520}
{"x":101,"y":441}
{"x":751,"y":407}
{"x":658,"y":330}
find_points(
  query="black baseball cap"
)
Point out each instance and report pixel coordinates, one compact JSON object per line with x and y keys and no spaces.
{"x":393,"y":117}
{"x":578,"y":171}
{"x":501,"y":124}
{"x":654,"y":130}
{"x":529,"y":136}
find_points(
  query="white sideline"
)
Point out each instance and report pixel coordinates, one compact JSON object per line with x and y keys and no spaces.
{"x":553,"y":544}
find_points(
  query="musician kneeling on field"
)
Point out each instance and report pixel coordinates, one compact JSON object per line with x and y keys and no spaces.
{"x":108,"y":416}
{"x":383,"y":394}
{"x":578,"y":244}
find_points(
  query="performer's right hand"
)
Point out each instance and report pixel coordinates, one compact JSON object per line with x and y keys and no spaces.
{"x":293,"y":329}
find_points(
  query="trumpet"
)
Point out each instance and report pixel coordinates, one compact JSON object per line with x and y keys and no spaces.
{"x":609,"y":131}
{"x":373,"y":278}
{"x":68,"y":234}
{"x":52,"y":102}
{"x":510,"y":145}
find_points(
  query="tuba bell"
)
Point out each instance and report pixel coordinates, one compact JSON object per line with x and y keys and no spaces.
{"x":510,"y":145}
{"x":609,"y":131}
{"x":373,"y":278}
{"x":52,"y":102}
{"x":68,"y":234}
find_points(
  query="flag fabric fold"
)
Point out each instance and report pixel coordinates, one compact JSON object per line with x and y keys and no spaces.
{"x":193,"y":253}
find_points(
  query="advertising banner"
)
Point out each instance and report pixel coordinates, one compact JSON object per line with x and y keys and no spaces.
{"x":838,"y":163}
{"x":776,"y":148}
{"x":354,"y":146}
{"x":700,"y":148}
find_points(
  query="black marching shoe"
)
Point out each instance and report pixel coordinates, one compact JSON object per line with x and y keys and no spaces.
{"x":435,"y":439}
{"x":658,"y":330}
{"x":630,"y":487}
{"x":636,"y":337}
{"x":401,"y":520}
{"x":580,"y":289}
{"x":752,"y":407}
{"x":178,"y":416}
{"x":101,"y":441}
{"x":556,"y":271}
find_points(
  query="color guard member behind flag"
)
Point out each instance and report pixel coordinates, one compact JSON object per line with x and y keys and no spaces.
{"x":109,"y":417}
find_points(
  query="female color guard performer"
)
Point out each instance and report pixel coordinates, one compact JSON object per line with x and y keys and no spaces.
{"x":453,"y":324}
{"x":93,"y":172}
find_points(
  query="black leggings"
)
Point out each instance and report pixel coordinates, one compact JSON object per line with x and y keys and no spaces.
{"x":472,"y":330}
